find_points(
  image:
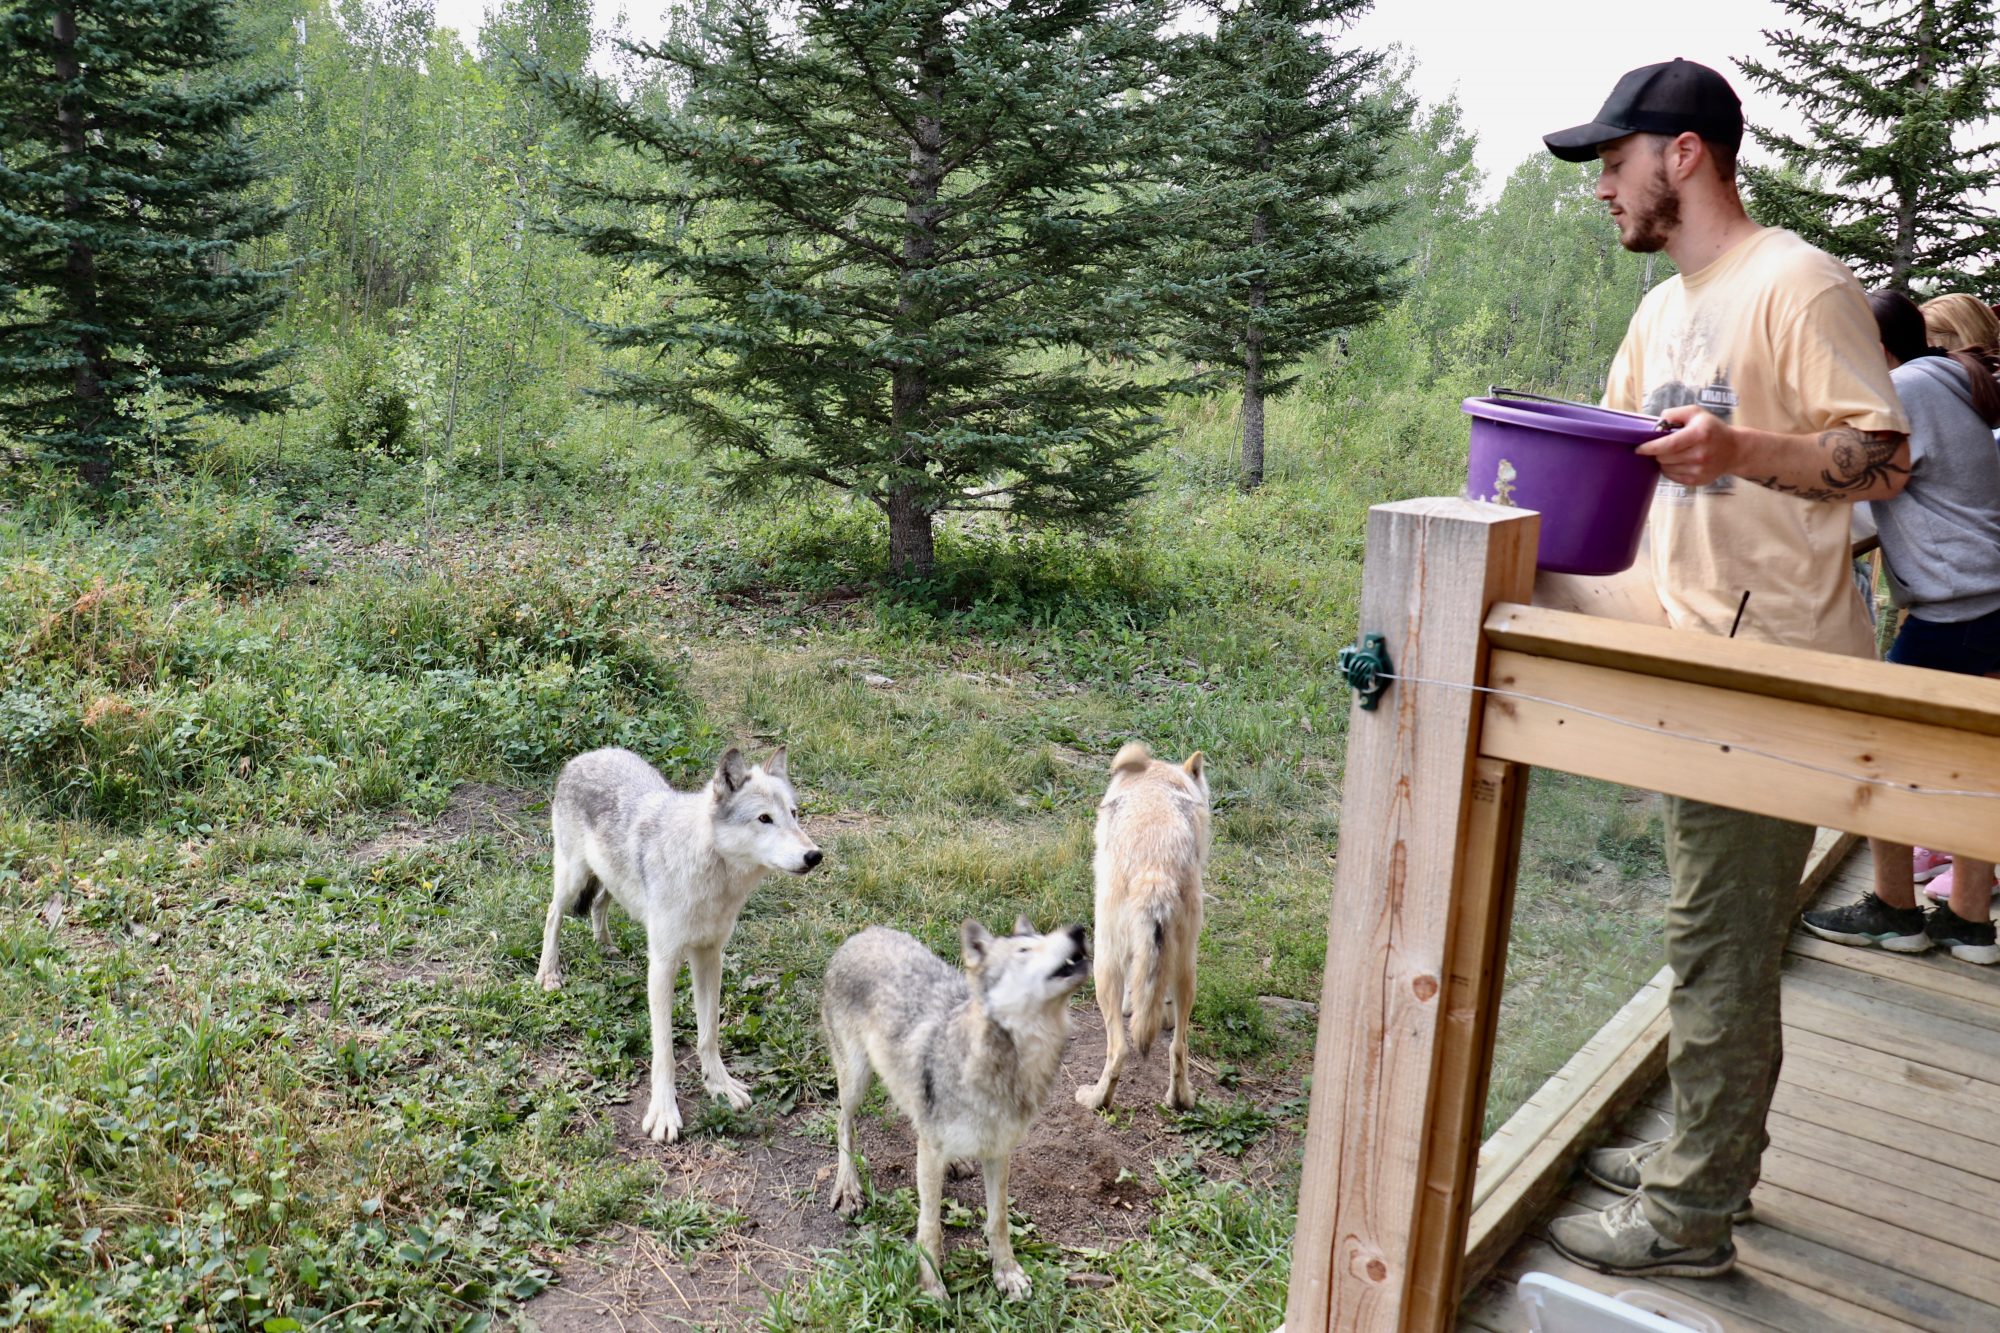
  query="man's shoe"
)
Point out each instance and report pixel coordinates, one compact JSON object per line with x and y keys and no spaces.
{"x":1928,"y":864}
{"x":1871,"y":924}
{"x":1617,"y":1169}
{"x":1967,"y":941}
{"x":1621,"y":1242}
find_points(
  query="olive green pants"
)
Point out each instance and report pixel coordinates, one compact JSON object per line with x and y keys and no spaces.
{"x":1735,"y":887}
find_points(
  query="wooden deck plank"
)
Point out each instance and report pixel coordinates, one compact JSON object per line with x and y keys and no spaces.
{"x":1894,"y":1207}
{"x":1891,"y":1129}
{"x":1971,"y":1275}
{"x":1893,"y":1069}
{"x":1964,"y":1192}
{"x":1893,"y":1029}
{"x":1861,"y":1280}
{"x":1890,"y":988}
{"x":1892,"y":1091}
{"x":1932,"y":971}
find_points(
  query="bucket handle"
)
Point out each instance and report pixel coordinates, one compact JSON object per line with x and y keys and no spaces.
{"x":1495,"y":391}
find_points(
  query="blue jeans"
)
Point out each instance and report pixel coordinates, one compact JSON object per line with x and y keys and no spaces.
{"x":1968,"y":647}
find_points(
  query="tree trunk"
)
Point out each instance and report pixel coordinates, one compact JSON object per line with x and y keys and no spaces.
{"x":1253,"y":404}
{"x":911,"y":551}
{"x":1903,"y":255}
{"x":1253,"y":366}
{"x":80,"y":272}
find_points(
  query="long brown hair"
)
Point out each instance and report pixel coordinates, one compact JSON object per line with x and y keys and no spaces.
{"x":1902,"y":329}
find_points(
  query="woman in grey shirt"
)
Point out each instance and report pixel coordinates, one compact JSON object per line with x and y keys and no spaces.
{"x":1941,"y":542}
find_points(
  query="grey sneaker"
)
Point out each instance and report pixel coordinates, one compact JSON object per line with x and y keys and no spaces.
{"x":1870,"y":923}
{"x":1621,"y":1242}
{"x":1618,"y":1169}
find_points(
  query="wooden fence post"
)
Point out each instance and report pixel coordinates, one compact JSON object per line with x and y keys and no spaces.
{"x":1429,"y":836}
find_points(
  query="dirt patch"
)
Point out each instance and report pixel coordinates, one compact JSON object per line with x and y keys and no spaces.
{"x":1086,"y":1181}
{"x":472,"y":808}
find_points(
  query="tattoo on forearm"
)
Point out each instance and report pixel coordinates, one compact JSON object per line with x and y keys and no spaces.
{"x":1857,"y":461}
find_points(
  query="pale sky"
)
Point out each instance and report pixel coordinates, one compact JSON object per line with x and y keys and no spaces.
{"x":1520,"y":70}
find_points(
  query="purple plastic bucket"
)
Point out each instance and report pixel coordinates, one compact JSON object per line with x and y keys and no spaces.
{"x":1574,"y":464}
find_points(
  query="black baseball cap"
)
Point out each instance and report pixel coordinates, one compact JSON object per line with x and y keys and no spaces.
{"x":1671,"y":98}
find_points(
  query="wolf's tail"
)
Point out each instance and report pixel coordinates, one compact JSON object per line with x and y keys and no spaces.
{"x":584,"y":900}
{"x":1153,"y":904}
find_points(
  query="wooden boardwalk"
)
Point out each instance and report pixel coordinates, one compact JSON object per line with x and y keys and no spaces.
{"x":1879,"y":1206}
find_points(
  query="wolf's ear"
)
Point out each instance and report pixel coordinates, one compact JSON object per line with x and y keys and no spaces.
{"x":1023,"y":926}
{"x":730,"y":774}
{"x":1195,"y":763}
{"x":974,"y":939}
{"x":775,"y":765}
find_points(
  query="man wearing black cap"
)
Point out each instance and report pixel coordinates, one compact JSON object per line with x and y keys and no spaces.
{"x":1762,"y":351}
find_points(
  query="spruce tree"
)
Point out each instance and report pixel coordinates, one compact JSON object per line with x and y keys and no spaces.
{"x":1896,"y":169}
{"x":901,"y":234}
{"x":1272,"y":248}
{"x":125,"y":196}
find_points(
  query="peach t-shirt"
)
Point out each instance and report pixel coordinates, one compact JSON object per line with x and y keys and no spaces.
{"x":1775,"y":336}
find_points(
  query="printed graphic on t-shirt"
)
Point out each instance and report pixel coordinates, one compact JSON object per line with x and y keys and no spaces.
{"x":1693,"y":362}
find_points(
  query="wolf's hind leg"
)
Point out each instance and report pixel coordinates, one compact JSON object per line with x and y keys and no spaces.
{"x":1110,"y":978}
{"x":571,"y":876}
{"x":1180,"y":1088}
{"x":600,"y":923}
{"x":850,"y":1074}
{"x":1007,"y":1274}
{"x":930,"y":1217}
{"x":705,"y":966}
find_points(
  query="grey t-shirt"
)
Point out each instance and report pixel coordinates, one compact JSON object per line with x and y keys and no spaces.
{"x":1941,"y":536}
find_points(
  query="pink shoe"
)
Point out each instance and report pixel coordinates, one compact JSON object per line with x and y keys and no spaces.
{"x":1940,"y":888}
{"x":1930,"y":864}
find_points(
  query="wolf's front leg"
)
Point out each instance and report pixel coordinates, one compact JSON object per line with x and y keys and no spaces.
{"x":930,"y":1221}
{"x":663,"y":962}
{"x":1007,"y":1274}
{"x":705,"y":965}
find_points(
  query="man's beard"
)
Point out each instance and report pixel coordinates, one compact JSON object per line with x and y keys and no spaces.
{"x":1655,"y":223}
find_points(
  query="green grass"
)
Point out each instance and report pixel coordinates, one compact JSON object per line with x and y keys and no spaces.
{"x":248,"y":1075}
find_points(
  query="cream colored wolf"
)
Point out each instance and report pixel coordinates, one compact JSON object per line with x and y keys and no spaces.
{"x":1152,"y":846}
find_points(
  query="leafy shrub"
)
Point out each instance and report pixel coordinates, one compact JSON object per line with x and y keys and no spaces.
{"x":365,"y":410}
{"x":73,"y":614}
{"x":236,"y":543}
{"x":31,"y":724}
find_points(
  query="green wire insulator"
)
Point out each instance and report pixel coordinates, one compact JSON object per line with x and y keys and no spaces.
{"x":1366,"y":666}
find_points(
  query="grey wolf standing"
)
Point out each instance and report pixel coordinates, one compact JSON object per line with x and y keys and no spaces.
{"x":680,"y":864}
{"x":968,"y":1058}
{"x":1152,"y":846}
{"x":1762,"y":354}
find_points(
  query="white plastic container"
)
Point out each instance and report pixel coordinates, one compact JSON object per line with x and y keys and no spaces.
{"x":1557,"y":1305}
